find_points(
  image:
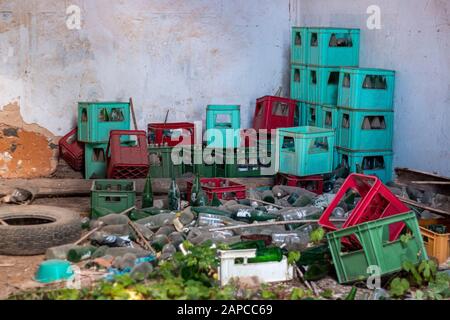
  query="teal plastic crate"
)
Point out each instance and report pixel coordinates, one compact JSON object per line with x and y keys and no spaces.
{"x":376,"y":248}
{"x":365,"y":88}
{"x":95,"y":160}
{"x":323,"y":84}
{"x":97,"y":119}
{"x":310,"y":114}
{"x":299,"y":45}
{"x":365,"y":130}
{"x":223,"y":124}
{"x":244,"y":162}
{"x":114,"y":195}
{"x":306,"y":151}
{"x":162,"y":165}
{"x":206,"y":168}
{"x":299,"y":80}
{"x":334,"y":47}
{"x":374,"y":163}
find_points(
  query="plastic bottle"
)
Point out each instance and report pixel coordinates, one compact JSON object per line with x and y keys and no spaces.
{"x":174,"y":196}
{"x":196,"y":186}
{"x":255,"y":244}
{"x":112,"y":241}
{"x":147,"y":196}
{"x":299,"y":214}
{"x":253,"y":215}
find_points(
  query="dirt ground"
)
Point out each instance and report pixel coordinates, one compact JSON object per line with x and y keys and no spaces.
{"x":16,"y":273}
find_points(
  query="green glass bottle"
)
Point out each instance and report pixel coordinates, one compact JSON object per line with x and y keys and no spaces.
{"x":253,"y":244}
{"x":174,"y":196}
{"x":253,"y":215}
{"x":78,"y":254}
{"x":196,"y":187}
{"x":202,"y":199}
{"x":147,"y":196}
{"x":267,"y":255}
{"x":215,"y":201}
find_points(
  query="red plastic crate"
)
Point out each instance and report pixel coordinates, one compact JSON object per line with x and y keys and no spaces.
{"x":72,"y":150}
{"x":311,"y":183}
{"x":232,"y":191}
{"x":274,"y":112}
{"x":160,"y":133}
{"x":125,"y":159}
{"x":377,"y":202}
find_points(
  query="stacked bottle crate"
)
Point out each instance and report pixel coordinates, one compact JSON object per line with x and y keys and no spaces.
{"x":366,"y":120}
{"x":316,"y":56}
{"x":95,"y":122}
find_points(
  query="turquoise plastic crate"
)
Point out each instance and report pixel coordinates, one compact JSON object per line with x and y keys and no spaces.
{"x":323,"y":84}
{"x":376,"y":249}
{"x":97,"y":119}
{"x":299,"y":88}
{"x":334,"y":47}
{"x":161,"y":163}
{"x":197,"y":163}
{"x":365,"y":130}
{"x":310,"y":114}
{"x":374,"y":163}
{"x":306,"y":151}
{"x":95,"y":160}
{"x":223,"y":124}
{"x":299,"y":45}
{"x":365,"y":88}
{"x":115,"y":195}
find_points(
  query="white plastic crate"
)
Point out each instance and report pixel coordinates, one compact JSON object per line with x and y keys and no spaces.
{"x":265,"y":271}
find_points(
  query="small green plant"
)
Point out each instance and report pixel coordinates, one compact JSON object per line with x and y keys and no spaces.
{"x":399,"y":287}
{"x":317,"y":235}
{"x":293,"y":257}
{"x":297,"y":294}
{"x":327,"y":294}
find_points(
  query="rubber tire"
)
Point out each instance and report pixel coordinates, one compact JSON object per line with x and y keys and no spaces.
{"x":28,"y":240}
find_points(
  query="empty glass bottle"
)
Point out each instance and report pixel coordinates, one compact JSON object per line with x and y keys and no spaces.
{"x":174,"y":196}
{"x":267,"y":255}
{"x":78,"y":254}
{"x":196,"y":187}
{"x":254,"y":244}
{"x":147,"y":196}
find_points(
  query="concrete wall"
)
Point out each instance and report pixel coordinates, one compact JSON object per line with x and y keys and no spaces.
{"x":414,"y":40}
{"x":172,"y":55}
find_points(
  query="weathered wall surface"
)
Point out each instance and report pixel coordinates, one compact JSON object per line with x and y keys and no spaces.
{"x":172,"y":55}
{"x":414,"y":40}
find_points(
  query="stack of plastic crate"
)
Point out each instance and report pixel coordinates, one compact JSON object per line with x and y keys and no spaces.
{"x":95,"y":122}
{"x":316,"y":57}
{"x":366,"y":120}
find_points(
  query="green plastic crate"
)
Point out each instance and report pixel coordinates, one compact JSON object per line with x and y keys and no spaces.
{"x":114,"y":195}
{"x":299,"y":80}
{"x":196,"y":163}
{"x":97,"y":119}
{"x":365,"y":88}
{"x":374,"y":163}
{"x":365,"y":130}
{"x":95,"y":160}
{"x":306,"y":151}
{"x":323,"y":84}
{"x":299,"y":45}
{"x":376,"y":250}
{"x":310,"y":114}
{"x":245,"y":162}
{"x":333,"y":47}
{"x":162,"y":164}
{"x":223,"y":124}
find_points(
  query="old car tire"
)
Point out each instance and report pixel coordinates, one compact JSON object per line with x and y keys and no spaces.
{"x":31,"y":230}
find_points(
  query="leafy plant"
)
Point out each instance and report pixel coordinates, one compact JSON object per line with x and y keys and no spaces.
{"x":327,"y":294}
{"x":398,"y":287}
{"x":293,"y":257}
{"x":297,"y":294}
{"x":317,"y":235}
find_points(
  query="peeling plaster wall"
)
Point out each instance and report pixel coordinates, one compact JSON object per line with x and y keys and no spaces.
{"x":167,"y":54}
{"x":414,"y":40}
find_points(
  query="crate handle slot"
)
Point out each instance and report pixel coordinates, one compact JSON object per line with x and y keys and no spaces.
{"x":373,"y":123}
{"x":296,"y":75}
{"x":341,"y":40}
{"x":373,"y":163}
{"x":298,"y":39}
{"x":345,"y":121}
{"x":346,"y":80}
{"x":98,"y":155}
{"x":314,"y":39}
{"x":318,"y":145}
{"x":333,"y":79}
{"x":313,"y":77}
{"x":375,"y":82}
{"x":84,"y":115}
{"x":280,"y":109}
{"x":288,"y":144}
